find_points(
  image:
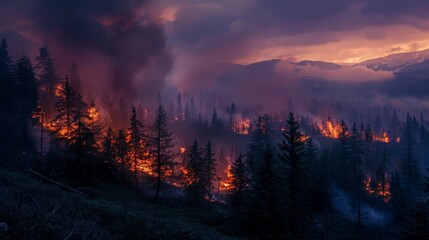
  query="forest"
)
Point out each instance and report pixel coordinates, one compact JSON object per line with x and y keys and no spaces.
{"x":179,"y":165}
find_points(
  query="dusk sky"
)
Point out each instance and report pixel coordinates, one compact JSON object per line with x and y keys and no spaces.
{"x":246,"y":31}
{"x":189,"y":34}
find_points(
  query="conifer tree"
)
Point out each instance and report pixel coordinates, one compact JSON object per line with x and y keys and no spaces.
{"x":292,"y":154}
{"x":47,"y":73}
{"x":108,"y":153}
{"x":196,"y":188}
{"x":210,"y":169}
{"x":8,"y":99}
{"x":65,"y":108}
{"x":121,"y":151}
{"x":136,"y":144}
{"x":264,"y":210}
{"x":161,"y":144}
{"x":239,"y":182}
{"x":28,"y":98}
{"x":259,"y":141}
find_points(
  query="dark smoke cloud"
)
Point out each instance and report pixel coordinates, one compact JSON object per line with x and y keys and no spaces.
{"x":119,"y":45}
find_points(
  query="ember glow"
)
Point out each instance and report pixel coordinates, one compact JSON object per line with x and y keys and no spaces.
{"x":379,"y":189}
{"x":330,"y":129}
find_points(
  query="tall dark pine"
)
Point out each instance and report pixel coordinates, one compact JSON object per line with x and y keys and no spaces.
{"x":265,"y":209}
{"x":108,"y":153}
{"x":210,"y":169}
{"x":135,"y":142}
{"x":292,"y":154}
{"x":47,"y":73}
{"x":83,"y":144}
{"x":239,"y":182}
{"x":121,"y":149}
{"x":417,"y":225}
{"x":259,"y":142}
{"x":409,"y":165}
{"x":65,"y":108}
{"x":28,"y":98}
{"x":161,"y":144}
{"x":8,"y":99}
{"x":196,"y":189}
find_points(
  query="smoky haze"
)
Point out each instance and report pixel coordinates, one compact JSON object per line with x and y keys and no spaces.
{"x":119,"y":46}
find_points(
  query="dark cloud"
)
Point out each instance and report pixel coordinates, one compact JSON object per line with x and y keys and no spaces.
{"x":395,"y":8}
{"x":119,"y":41}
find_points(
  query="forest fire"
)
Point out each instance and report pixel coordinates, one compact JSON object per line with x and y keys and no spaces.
{"x":227,"y":184}
{"x":243,"y":127}
{"x":382,"y":138}
{"x":378,"y":188}
{"x":330,"y":129}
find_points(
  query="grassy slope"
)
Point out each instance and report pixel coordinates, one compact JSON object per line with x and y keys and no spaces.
{"x":35,"y":210}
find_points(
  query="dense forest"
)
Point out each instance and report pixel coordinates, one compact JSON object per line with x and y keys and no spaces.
{"x":73,"y":167}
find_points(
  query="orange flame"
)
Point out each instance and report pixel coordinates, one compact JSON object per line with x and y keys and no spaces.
{"x":377,"y":189}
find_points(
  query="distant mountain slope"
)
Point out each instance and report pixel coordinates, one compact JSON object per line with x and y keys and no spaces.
{"x":395,"y":62}
{"x":319,"y":64}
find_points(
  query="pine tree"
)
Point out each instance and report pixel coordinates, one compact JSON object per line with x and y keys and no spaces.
{"x":264,"y":211}
{"x":121,"y":151}
{"x":196,"y":175}
{"x":65,"y":107}
{"x":210,"y":169}
{"x":28,"y":98}
{"x":47,"y":73}
{"x":108,"y":153}
{"x":417,"y":226}
{"x":409,"y":165}
{"x":292,"y":154}
{"x":239,"y":182}
{"x":259,"y":141}
{"x":8,"y":99}
{"x":161,"y":144}
{"x":136,"y":144}
{"x":83,"y":143}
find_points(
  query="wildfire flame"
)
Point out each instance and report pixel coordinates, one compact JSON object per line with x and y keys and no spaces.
{"x":243,"y":127}
{"x":330,"y":129}
{"x":226,"y":184}
{"x":376,"y":188}
{"x":382,"y":138}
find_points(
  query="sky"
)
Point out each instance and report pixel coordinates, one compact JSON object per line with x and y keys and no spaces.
{"x":246,"y":31}
{"x":167,"y":39}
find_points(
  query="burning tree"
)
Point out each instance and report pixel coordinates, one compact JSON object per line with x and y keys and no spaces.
{"x":161,"y":144}
{"x":65,"y":122}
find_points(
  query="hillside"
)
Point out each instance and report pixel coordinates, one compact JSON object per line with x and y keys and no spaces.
{"x":31,"y":209}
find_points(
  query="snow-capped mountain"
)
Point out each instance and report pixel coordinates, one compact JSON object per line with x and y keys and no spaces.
{"x":396,"y":62}
{"x":319,"y":64}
